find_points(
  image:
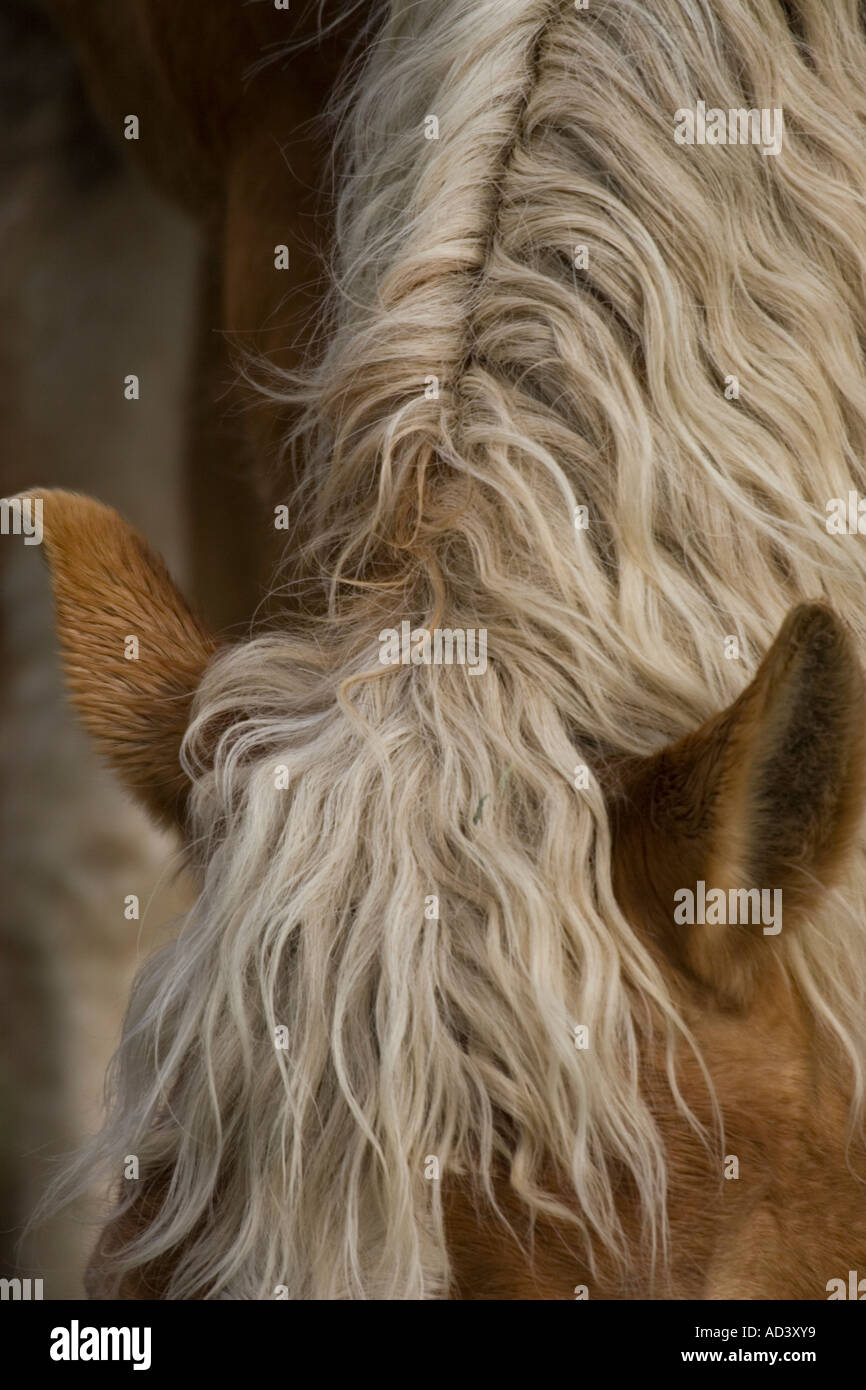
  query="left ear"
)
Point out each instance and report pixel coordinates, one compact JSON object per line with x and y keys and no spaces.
{"x":767,"y":796}
{"x":133,"y":651}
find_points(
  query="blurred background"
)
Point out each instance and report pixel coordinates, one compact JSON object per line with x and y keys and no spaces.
{"x":102,"y":276}
{"x":98,"y":277}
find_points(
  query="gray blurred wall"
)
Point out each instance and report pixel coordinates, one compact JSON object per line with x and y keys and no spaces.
{"x":98,"y":278}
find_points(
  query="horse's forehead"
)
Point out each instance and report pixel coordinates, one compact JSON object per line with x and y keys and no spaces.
{"x":765,"y":1063}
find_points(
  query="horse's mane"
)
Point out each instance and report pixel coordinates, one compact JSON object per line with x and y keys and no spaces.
{"x":558,"y":387}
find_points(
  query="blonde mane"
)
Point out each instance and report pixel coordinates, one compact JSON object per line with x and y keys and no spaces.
{"x":343,"y":794}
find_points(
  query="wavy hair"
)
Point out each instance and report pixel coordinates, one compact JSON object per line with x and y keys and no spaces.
{"x":479,"y":382}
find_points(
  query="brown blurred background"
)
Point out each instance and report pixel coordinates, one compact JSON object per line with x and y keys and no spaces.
{"x":98,"y":278}
{"x":102,"y":276}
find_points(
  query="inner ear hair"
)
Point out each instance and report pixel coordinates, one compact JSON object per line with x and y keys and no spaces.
{"x":133,"y":651}
{"x":798,"y":758}
{"x":767,"y":795}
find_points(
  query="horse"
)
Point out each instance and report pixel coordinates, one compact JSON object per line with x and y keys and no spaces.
{"x":80,"y":224}
{"x":228,"y":106}
{"x":451,"y":1015}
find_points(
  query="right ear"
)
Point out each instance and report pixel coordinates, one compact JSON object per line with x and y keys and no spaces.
{"x":768,"y":795}
{"x":133,"y":651}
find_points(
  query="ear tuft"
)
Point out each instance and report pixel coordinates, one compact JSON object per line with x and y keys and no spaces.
{"x":747,"y":821}
{"x":134,"y":653}
{"x":803,"y":788}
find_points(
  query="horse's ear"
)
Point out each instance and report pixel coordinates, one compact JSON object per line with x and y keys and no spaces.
{"x":133,"y":651}
{"x":768,"y":795}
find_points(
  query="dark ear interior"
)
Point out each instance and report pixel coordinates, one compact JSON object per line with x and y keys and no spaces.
{"x":767,"y":795}
{"x":804,"y":761}
{"x":133,"y":651}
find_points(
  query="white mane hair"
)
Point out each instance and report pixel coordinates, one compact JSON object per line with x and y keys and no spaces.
{"x":558,"y":387}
